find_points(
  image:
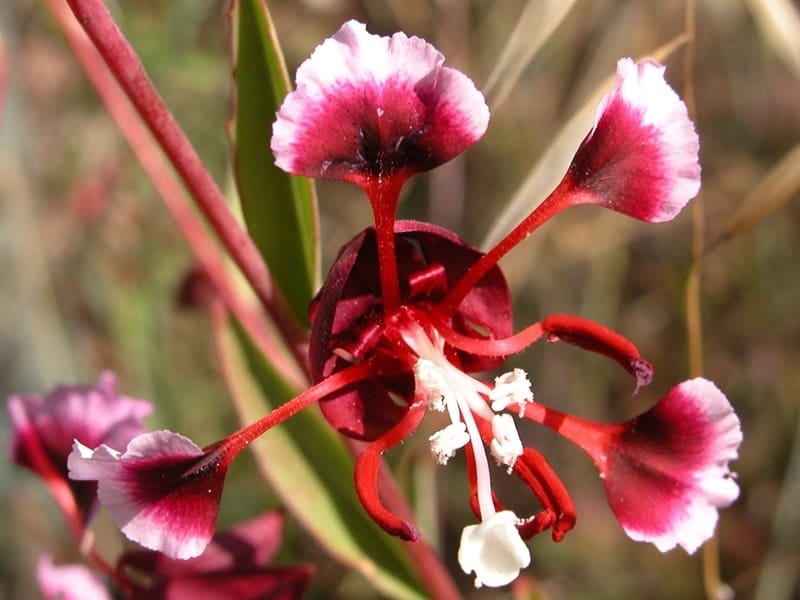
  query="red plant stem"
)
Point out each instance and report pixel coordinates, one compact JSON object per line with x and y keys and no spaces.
{"x":124,"y":63}
{"x":204,"y":247}
{"x":559,"y":199}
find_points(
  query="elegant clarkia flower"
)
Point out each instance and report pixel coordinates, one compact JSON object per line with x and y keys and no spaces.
{"x":409,"y":312}
{"x":44,"y":428}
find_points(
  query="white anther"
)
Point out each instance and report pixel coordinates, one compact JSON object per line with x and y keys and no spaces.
{"x":445,"y":442}
{"x":511,"y":388}
{"x":506,"y":446}
{"x":431,"y":384}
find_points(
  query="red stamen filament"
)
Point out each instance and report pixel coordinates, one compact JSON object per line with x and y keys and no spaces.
{"x":367,"y":468}
{"x":487,"y":347}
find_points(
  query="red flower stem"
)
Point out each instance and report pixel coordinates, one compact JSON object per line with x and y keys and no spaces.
{"x":151,"y":160}
{"x":559,"y":199}
{"x":383,"y":195}
{"x":124,"y":63}
{"x":239,"y":440}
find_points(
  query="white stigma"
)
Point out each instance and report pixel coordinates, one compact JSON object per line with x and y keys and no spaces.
{"x":506,"y":446}
{"x":445,"y":442}
{"x":511,"y":388}
{"x":494,"y":550}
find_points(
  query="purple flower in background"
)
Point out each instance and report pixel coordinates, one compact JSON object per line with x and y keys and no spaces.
{"x":44,"y":428}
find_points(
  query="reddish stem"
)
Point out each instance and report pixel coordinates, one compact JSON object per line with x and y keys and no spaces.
{"x":559,"y":199}
{"x":124,"y":63}
{"x":151,"y":160}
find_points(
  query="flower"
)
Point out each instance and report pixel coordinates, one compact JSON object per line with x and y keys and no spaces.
{"x":44,"y":427}
{"x":427,"y":310}
{"x":410,"y":312}
{"x":640,"y":158}
{"x":163,"y":491}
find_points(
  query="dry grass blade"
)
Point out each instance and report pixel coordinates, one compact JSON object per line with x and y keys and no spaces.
{"x":777,"y":187}
{"x":779,"y":21}
{"x":549,"y":169}
{"x":536,"y":23}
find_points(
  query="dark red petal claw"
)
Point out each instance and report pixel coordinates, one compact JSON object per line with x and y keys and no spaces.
{"x":594,"y":337}
{"x":366,"y":475}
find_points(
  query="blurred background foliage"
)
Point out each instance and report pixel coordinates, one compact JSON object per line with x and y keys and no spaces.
{"x":91,"y":265}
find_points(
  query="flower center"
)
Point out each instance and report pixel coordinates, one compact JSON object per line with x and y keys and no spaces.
{"x":444,"y":387}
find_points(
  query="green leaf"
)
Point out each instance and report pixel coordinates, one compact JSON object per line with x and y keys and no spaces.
{"x":280,"y":210}
{"x":310,"y":469}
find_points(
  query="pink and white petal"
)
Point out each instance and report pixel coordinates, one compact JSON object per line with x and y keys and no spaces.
{"x":68,"y":582}
{"x":163,"y":492}
{"x":667,"y":471}
{"x":369,"y":105}
{"x":641,"y":156}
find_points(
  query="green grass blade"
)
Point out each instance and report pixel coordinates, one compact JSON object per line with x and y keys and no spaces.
{"x":280,"y":210}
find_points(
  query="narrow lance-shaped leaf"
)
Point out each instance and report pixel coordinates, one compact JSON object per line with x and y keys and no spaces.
{"x":280,"y":210}
{"x":308,"y":466}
